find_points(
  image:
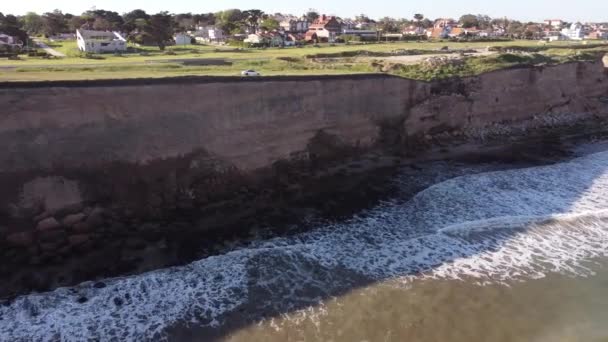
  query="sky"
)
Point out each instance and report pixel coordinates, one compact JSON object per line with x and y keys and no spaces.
{"x":525,"y":10}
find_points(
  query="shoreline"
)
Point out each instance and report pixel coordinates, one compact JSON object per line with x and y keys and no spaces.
{"x":345,"y":190}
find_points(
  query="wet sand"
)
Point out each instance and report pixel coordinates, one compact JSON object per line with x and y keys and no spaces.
{"x":555,"y":308}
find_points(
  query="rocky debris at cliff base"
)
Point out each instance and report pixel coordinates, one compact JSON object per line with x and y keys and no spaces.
{"x":48,"y":224}
{"x":73,"y":219}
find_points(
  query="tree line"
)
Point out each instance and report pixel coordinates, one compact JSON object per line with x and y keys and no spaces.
{"x":143,"y":28}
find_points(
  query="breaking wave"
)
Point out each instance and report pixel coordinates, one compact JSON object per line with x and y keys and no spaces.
{"x":494,"y":227}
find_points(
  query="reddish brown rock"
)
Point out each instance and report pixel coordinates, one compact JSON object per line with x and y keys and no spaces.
{"x":22,"y":239}
{"x":73,"y":219}
{"x":48,"y":224}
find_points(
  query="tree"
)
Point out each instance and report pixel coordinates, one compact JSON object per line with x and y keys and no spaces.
{"x":160,"y":29}
{"x":105,"y":20}
{"x":418,"y":17}
{"x":362,"y":18}
{"x":515,"y":29}
{"x":32,"y":23}
{"x":130,"y":20}
{"x":253,"y":18}
{"x":230,"y":21}
{"x":484,"y":22}
{"x":270,"y":24}
{"x":184,"y":22}
{"x":10,"y":25}
{"x":204,"y":19}
{"x":469,"y":21}
{"x":54,"y":23}
{"x":389,"y":25}
{"x":76,"y":22}
{"x":102,"y":24}
{"x":312,"y":15}
{"x":426,"y":23}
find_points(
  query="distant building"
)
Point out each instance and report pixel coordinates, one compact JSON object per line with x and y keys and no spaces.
{"x":100,"y":41}
{"x":9,"y":42}
{"x":444,"y":22}
{"x":209,"y":34}
{"x":413,"y":30}
{"x":271,"y":39}
{"x":182,"y":39}
{"x":324,"y":29}
{"x":295,"y":25}
{"x":555,"y":23}
{"x":598,"y":34}
{"x":575,"y":32}
{"x":361,"y":33}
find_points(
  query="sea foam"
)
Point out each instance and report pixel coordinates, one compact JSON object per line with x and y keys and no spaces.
{"x":493,"y":227}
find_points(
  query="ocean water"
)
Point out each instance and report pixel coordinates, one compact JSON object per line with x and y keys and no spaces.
{"x":481,"y":233}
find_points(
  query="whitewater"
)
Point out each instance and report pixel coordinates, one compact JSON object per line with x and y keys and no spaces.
{"x":489,"y":228}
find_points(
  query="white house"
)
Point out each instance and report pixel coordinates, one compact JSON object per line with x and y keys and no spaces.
{"x":575,"y":32}
{"x":100,"y":41}
{"x":209,"y":34}
{"x":183,"y":39}
{"x":216,"y":35}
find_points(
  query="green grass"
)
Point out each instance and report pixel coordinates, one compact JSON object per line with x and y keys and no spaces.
{"x":478,"y":65}
{"x":343,"y":59}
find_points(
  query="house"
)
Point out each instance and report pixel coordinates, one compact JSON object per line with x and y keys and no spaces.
{"x":292,"y":39}
{"x":363,"y":34}
{"x":348,"y":24}
{"x":208,"y":34}
{"x":291,"y":25}
{"x":324,"y":29}
{"x":100,"y":41}
{"x":444,"y":22}
{"x":216,"y":35}
{"x":10,"y":41}
{"x":439,"y":32}
{"x":555,"y":23}
{"x":276,"y":39}
{"x":182,"y":39}
{"x":270,"y":39}
{"x":575,"y":32}
{"x":597,"y":34}
{"x":257,"y":39}
{"x":413,"y":30}
{"x":442,"y":28}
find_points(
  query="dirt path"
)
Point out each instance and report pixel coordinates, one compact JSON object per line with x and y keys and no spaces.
{"x":48,"y":49}
{"x":415,"y":59}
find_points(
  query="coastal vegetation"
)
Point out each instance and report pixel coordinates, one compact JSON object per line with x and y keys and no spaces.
{"x":417,"y":60}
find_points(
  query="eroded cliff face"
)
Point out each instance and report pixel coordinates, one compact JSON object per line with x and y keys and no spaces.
{"x":115,"y":171}
{"x":511,"y":97}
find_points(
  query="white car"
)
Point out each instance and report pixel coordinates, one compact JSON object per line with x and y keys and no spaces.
{"x":250,"y":73}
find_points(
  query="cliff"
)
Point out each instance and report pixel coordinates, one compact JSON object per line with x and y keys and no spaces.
{"x":104,"y":166}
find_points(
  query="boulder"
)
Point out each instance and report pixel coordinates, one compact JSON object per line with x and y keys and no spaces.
{"x":73,"y":219}
{"x":48,"y":224}
{"x":95,"y":217}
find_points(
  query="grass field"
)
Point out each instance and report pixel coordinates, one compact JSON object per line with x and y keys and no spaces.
{"x":341,"y":59}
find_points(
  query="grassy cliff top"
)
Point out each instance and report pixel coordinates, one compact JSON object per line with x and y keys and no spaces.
{"x":416,"y":60}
